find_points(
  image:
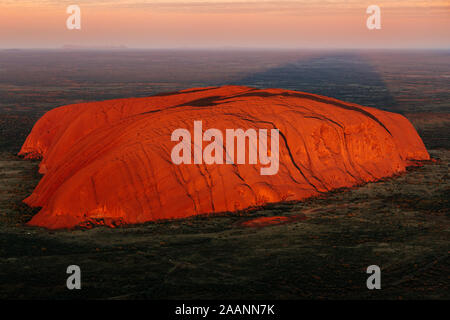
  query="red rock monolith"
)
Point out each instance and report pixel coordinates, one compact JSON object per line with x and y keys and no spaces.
{"x":110,"y":162}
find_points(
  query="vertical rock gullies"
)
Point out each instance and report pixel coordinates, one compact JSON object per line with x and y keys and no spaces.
{"x":110,"y":162}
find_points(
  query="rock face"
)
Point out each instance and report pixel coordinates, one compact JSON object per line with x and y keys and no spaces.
{"x":110,"y":162}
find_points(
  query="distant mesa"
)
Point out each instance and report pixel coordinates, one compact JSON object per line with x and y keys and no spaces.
{"x":99,"y":47}
{"x":109,"y":162}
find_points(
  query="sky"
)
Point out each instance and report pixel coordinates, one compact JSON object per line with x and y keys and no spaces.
{"x":225,"y":24}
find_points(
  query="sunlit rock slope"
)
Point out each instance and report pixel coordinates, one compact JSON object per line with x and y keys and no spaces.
{"x":110,"y":162}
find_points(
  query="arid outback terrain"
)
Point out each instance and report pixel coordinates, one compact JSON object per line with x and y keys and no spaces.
{"x":322,"y":250}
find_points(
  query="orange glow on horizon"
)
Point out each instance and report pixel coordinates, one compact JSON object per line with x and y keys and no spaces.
{"x":225,"y":24}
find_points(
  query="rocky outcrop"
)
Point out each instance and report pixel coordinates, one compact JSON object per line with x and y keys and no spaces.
{"x":110,"y":162}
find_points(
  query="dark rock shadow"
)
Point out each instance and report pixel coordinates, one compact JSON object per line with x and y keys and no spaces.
{"x":345,"y":76}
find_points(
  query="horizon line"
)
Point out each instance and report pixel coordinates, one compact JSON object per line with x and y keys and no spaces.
{"x":125,"y":48}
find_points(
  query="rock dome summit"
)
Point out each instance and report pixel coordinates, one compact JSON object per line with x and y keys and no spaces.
{"x":110,"y":162}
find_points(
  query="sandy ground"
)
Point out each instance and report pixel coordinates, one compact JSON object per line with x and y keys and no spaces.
{"x":400,"y":224}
